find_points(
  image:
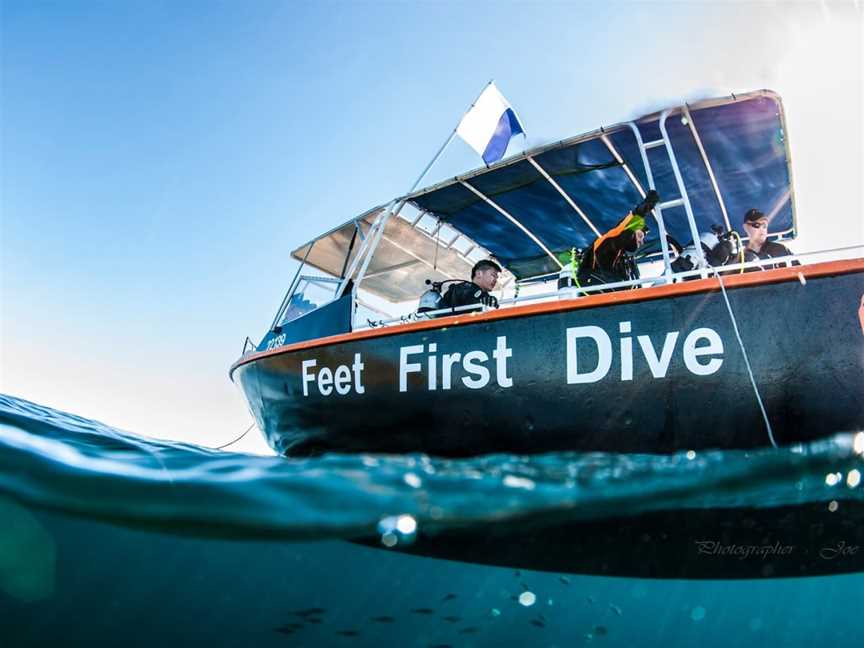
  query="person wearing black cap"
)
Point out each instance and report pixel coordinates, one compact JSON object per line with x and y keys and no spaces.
{"x":758,"y":245}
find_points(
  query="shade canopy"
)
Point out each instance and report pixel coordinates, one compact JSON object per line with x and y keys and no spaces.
{"x":732,"y":154}
{"x":404,"y":259}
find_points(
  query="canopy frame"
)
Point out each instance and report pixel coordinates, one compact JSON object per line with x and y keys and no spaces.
{"x":685,"y":110}
{"x":658,"y":209}
{"x":688,"y":208}
{"x":512,"y":219}
{"x":370,"y":235}
{"x":614,"y":151}
{"x":564,"y":194}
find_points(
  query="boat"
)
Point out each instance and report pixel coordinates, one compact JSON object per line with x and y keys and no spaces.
{"x":758,"y":354}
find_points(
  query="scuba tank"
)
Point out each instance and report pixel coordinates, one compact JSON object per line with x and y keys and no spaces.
{"x":689,"y":259}
{"x":567,"y":277}
{"x":430,"y":300}
{"x":433,"y":299}
{"x":717,"y":248}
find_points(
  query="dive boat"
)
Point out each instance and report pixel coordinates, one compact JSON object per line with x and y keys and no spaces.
{"x":762,"y":353}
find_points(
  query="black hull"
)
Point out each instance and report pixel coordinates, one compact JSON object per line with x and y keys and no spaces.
{"x":790,"y":541}
{"x":802,"y":332}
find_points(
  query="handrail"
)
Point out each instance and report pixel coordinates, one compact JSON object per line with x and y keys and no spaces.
{"x":682,"y":188}
{"x":644,"y":282}
{"x":658,"y":209}
{"x":415,"y":317}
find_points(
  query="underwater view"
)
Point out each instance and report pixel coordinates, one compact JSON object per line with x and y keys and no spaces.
{"x":109,"y":537}
{"x":544,"y":320}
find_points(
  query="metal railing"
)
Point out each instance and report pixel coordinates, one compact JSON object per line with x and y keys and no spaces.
{"x":248,"y":347}
{"x":575,"y":292}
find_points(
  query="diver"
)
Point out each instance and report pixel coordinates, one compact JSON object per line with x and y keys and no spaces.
{"x":758,"y":246}
{"x":721,"y":248}
{"x":484,"y":276}
{"x":609,"y":259}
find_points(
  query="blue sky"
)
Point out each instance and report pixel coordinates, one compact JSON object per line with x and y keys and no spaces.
{"x":161,"y":159}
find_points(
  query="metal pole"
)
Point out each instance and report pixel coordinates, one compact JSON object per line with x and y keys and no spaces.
{"x":350,"y":247}
{"x":445,"y":144}
{"x":692,"y":125}
{"x":563,"y":193}
{"x":373,"y":244}
{"x":691,"y":220}
{"x":623,"y":164}
{"x":291,"y":288}
{"x":370,"y":240}
{"x":513,"y":220}
{"x":387,"y":214}
{"x":658,"y":211}
{"x":402,"y":248}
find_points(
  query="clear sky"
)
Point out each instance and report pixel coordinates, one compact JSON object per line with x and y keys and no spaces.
{"x":161,"y":159}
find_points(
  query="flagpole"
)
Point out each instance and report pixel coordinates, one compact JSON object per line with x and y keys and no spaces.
{"x":389,"y":210}
{"x":433,"y":160}
{"x":449,"y":139}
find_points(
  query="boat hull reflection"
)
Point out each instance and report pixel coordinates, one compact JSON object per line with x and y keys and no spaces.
{"x":734,"y":543}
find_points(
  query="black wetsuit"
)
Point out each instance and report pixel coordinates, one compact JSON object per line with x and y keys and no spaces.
{"x":770,"y":250}
{"x":609,"y":259}
{"x":612,"y":262}
{"x":465,"y":294}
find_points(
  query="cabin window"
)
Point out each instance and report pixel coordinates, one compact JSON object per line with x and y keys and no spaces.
{"x":312,"y":292}
{"x":311,"y":288}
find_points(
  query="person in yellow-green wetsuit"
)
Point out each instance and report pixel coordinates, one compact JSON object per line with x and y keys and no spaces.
{"x":609,"y":258}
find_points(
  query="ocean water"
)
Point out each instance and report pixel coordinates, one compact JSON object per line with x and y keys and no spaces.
{"x":109,"y":538}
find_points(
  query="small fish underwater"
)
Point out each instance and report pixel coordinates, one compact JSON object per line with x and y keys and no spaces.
{"x":112,"y":537}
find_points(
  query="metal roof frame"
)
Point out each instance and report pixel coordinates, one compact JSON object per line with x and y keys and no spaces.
{"x":596,"y":134}
{"x":367,"y":245}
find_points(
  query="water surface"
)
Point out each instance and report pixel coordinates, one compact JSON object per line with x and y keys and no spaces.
{"x":112,"y":537}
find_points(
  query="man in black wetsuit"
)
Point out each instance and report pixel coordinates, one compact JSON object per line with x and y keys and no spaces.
{"x":758,"y":245}
{"x":484,"y":276}
{"x":609,"y":258}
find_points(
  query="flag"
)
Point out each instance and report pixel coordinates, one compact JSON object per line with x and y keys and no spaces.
{"x":489,"y":125}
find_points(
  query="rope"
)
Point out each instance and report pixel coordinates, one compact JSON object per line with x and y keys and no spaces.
{"x":746,"y":360}
{"x":237,"y":439}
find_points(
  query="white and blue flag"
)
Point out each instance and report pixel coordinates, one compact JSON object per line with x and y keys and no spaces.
{"x":489,"y":125}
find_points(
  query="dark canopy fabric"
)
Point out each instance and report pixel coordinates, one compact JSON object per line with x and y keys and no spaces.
{"x":744,"y":141}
